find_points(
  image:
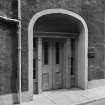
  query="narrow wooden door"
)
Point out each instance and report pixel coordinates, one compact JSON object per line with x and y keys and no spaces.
{"x":57,"y":46}
{"x":46,"y":64}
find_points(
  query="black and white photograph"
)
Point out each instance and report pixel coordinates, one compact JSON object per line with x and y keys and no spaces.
{"x":52,"y":52}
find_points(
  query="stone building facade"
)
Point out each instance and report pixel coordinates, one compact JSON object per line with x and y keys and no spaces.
{"x":91,"y":11}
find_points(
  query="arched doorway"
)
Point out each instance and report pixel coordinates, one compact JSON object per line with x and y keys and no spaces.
{"x":55,"y":31}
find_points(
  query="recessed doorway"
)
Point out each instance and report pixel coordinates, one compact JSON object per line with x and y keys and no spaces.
{"x":54,"y":59}
{"x":67,"y":24}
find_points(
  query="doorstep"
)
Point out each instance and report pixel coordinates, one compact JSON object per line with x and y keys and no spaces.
{"x":69,"y":97}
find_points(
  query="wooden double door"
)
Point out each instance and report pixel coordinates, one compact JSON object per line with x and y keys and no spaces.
{"x":52,"y":63}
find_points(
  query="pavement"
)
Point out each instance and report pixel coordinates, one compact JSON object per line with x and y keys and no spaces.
{"x":94,"y":96}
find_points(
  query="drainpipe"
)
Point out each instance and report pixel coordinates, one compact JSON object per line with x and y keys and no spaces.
{"x":19,"y":51}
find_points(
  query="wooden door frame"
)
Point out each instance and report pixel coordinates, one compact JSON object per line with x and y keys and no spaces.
{"x":39,"y":65}
{"x":67,"y":63}
{"x":66,"y":66}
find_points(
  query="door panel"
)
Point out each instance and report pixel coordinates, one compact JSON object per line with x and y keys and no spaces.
{"x":46,"y":65}
{"x":57,"y":63}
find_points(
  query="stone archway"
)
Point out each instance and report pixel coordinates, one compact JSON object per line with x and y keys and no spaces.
{"x":81,"y":48}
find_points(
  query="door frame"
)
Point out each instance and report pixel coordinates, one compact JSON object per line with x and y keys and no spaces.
{"x":81,"y":47}
{"x":67,"y":64}
{"x":66,"y":72}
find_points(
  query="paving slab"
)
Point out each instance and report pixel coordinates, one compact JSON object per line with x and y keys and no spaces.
{"x":94,"y":96}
